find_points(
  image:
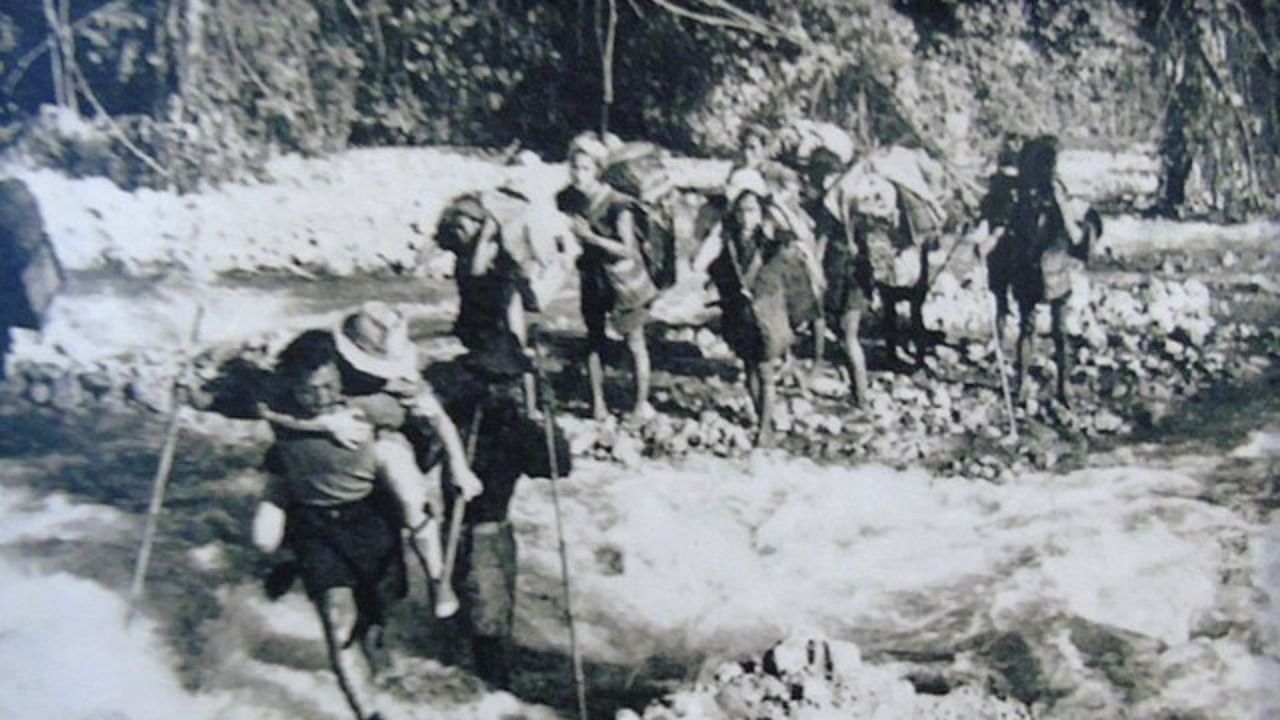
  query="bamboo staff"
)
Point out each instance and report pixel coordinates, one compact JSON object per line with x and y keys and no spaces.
{"x":548,"y":422}
{"x":162,"y":475}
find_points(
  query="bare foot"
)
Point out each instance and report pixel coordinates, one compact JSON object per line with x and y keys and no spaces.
{"x":641,"y":414}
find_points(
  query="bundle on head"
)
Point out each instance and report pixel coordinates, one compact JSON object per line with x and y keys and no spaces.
{"x":638,"y":169}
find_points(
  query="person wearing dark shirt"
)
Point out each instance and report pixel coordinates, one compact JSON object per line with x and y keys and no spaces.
{"x":996,"y":210}
{"x":507,"y":444}
{"x":494,"y":287}
{"x":765,"y":289}
{"x":342,"y":521}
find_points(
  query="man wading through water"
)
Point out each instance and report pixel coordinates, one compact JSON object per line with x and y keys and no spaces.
{"x":345,"y":484}
{"x":483,"y":395}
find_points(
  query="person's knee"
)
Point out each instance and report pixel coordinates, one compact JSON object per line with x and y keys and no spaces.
{"x":341,"y":613}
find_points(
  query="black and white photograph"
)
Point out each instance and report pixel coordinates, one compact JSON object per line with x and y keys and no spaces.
{"x":640,"y":359}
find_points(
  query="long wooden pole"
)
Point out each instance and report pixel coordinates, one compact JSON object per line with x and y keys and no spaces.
{"x":548,"y":423}
{"x":161,"y":480}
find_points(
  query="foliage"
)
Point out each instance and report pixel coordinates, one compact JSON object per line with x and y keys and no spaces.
{"x":205,"y":90}
{"x":1221,"y":127}
{"x":960,"y":82}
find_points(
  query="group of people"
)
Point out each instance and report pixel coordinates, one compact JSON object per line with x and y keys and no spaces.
{"x":358,"y":423}
{"x":805,"y":233}
{"x":800,"y":235}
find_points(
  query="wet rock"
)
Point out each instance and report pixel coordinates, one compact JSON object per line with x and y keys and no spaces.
{"x":609,"y":560}
{"x":736,"y":701}
{"x":801,"y":408}
{"x":783,"y":421}
{"x":1107,"y":422}
{"x":209,"y":558}
{"x":627,"y":450}
{"x":787,"y":658}
{"x":828,"y":387}
{"x":583,"y":439}
{"x":728,"y":672}
{"x":97,"y":382}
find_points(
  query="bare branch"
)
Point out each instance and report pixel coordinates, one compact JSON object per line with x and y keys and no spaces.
{"x":44,"y":46}
{"x":228,"y":31}
{"x":758,"y":24}
{"x":55,"y":57}
{"x":115,"y":127}
{"x":1242,"y":124}
{"x":1261,"y":45}
{"x":744,"y":22}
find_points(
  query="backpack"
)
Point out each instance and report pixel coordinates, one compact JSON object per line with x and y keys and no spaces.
{"x":638,"y":170}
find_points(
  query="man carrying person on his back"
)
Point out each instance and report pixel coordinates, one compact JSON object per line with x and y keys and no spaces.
{"x":345,"y":481}
{"x":344,"y":508}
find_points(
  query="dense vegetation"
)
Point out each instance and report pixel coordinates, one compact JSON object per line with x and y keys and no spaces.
{"x":206,"y":89}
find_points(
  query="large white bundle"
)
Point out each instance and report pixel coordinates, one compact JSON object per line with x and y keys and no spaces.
{"x":534,"y":234}
{"x":872,"y":186}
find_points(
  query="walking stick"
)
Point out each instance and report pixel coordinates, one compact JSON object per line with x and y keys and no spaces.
{"x":548,"y":423}
{"x":1004,"y":375}
{"x":161,"y":477}
{"x":446,"y":598}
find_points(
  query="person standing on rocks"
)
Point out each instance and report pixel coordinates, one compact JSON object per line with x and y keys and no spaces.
{"x":1051,"y":241}
{"x":766,"y":288}
{"x":344,"y":507}
{"x":615,"y":284}
{"x":482,"y":395}
{"x":846,"y":270}
{"x":30,"y":274}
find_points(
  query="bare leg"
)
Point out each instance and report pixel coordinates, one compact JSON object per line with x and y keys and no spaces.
{"x":791,"y":368}
{"x":338,"y":617}
{"x":1002,"y":312}
{"x":596,"y":343}
{"x":640,"y":355}
{"x":857,"y":361}
{"x":765,"y":381}
{"x":1026,"y":345}
{"x":1058,"y":310}
{"x":917,"y":325}
{"x":819,"y":346}
{"x":531,"y":395}
{"x":519,"y":327}
{"x":595,"y":374}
